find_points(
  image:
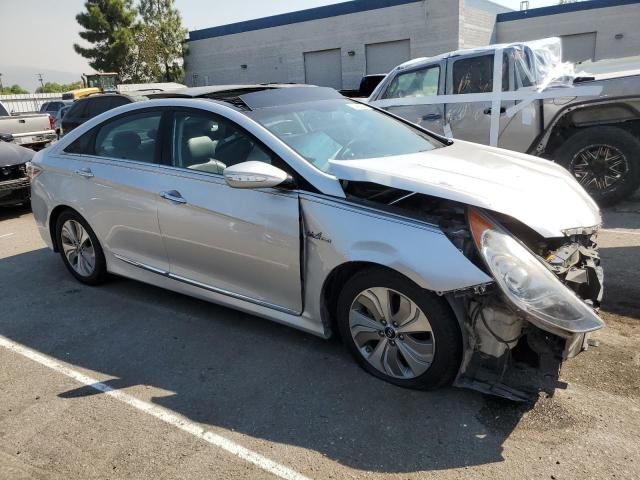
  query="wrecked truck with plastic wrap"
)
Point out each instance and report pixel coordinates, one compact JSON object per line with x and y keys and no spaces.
{"x":523,"y":97}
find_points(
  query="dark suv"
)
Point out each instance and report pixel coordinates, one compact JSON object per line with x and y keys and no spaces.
{"x":87,"y":108}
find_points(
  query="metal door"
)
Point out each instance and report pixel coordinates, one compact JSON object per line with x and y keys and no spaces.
{"x":324,"y":68}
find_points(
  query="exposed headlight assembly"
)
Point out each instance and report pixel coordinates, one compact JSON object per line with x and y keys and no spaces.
{"x":527,"y":282}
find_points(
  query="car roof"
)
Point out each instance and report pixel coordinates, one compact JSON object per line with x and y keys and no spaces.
{"x":254,"y":96}
{"x":133,"y":98}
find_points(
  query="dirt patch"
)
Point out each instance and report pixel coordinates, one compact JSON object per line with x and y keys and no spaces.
{"x":613,"y":366}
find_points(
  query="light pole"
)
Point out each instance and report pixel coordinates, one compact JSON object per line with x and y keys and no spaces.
{"x":1,"y":87}
{"x":41,"y":82}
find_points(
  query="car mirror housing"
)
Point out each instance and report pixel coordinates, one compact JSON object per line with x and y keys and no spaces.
{"x":254,"y":175}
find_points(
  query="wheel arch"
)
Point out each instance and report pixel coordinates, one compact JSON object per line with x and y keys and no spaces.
{"x":622,"y":113}
{"x":341,"y":274}
{"x":53,"y":219}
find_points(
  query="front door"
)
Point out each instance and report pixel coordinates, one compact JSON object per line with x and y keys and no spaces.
{"x":423,"y":82}
{"x":243,"y":243}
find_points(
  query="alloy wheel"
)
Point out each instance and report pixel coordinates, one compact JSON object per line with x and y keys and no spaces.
{"x":392,"y":333}
{"x":78,"y":248}
{"x":599,"y":167}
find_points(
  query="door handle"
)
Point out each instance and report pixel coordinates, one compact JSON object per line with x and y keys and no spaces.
{"x":85,"y":172}
{"x":173,"y":196}
{"x":488,"y":111}
{"x":432,"y":116}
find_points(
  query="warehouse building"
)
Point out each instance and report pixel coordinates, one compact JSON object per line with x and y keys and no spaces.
{"x":336,"y":45}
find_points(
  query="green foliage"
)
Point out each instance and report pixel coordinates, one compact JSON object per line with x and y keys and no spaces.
{"x":53,"y":87}
{"x":143,"y":44}
{"x":108,"y":27}
{"x":161,"y":40}
{"x":13,"y":90}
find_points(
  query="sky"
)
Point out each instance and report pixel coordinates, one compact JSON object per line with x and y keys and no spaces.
{"x":37,"y":36}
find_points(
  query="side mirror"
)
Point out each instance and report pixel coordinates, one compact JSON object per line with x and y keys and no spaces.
{"x":255,"y":175}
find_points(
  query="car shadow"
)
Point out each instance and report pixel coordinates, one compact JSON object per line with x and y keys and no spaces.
{"x":621,"y":280}
{"x":14,"y":211}
{"x":232,"y":370}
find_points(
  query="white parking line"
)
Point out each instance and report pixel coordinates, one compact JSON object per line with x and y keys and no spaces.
{"x":6,"y":235}
{"x":158,"y":412}
{"x":622,"y":231}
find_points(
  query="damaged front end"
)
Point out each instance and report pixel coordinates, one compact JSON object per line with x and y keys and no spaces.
{"x":538,"y":314}
{"x":541,"y":307}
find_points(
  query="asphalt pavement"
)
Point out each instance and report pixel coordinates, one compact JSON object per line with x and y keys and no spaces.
{"x":131,"y":381}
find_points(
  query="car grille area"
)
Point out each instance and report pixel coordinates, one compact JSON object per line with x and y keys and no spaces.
{"x":14,"y":184}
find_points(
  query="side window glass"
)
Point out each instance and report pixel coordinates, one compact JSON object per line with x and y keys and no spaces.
{"x":81,"y":145}
{"x":419,"y":83}
{"x":132,"y":137}
{"x":98,"y":106}
{"x":207,"y":143}
{"x":475,"y":75}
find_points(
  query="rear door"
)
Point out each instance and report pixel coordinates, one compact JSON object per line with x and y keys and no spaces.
{"x":241,"y":243}
{"x":426,"y":81}
{"x":112,"y":172}
{"x":472,"y":74}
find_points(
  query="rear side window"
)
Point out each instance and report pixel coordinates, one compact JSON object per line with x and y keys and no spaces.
{"x":475,"y":75}
{"x":131,"y":137}
{"x":78,"y":110}
{"x":3,"y":111}
{"x":98,"y":106}
{"x":419,"y":83}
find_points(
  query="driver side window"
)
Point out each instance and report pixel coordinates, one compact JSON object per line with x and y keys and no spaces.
{"x":207,"y":143}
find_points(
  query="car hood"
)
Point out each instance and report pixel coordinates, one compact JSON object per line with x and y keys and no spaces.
{"x":11,"y":154}
{"x":536,"y":192}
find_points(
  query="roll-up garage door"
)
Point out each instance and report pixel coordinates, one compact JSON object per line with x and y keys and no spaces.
{"x":383,"y":57}
{"x":324,"y":68}
{"x":579,"y":47}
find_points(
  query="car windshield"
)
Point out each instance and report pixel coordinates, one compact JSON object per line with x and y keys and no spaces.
{"x":340,"y":129}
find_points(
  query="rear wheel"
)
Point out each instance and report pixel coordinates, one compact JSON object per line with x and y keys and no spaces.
{"x":604,"y":160}
{"x":79,"y":248}
{"x":398,"y":331}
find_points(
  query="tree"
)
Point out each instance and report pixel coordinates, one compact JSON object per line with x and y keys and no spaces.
{"x":161,"y":40}
{"x":13,"y":90}
{"x":53,"y":87}
{"x":108,"y":27}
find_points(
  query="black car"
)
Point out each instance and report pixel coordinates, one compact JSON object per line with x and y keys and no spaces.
{"x":89,"y":107}
{"x":14,"y":182}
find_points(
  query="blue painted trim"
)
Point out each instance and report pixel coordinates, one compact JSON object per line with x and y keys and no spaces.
{"x":566,"y":8}
{"x":296,"y":17}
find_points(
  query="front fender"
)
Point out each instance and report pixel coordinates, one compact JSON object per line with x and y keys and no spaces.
{"x":337,"y":232}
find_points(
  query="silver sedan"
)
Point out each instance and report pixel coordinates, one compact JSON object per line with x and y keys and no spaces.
{"x":435,"y":261}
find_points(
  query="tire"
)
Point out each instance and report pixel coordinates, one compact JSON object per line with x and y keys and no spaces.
{"x":365,"y":343}
{"x":65,"y":230}
{"x":576,"y":155}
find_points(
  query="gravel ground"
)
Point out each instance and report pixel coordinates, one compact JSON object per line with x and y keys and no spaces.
{"x":290,"y":397}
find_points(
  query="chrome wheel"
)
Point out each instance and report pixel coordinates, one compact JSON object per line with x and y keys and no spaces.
{"x":391,"y":333}
{"x":599,"y":167}
{"x":78,"y":248}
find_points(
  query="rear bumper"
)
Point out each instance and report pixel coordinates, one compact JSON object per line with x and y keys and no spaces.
{"x":15,"y":191}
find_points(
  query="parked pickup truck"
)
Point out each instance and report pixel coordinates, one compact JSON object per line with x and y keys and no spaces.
{"x":34,"y":131}
{"x":590,"y":124}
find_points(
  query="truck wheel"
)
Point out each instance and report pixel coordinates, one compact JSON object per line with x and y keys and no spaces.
{"x":398,"y":331}
{"x":605,"y":160}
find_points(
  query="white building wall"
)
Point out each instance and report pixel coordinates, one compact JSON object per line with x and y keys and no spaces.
{"x":277,"y":54}
{"x":606,"y":22}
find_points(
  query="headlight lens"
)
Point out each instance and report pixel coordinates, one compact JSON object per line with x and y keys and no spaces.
{"x":527,"y":282}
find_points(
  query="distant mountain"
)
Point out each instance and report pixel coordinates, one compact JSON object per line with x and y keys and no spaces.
{"x":27,"y":76}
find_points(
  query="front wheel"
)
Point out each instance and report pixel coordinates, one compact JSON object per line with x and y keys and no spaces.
{"x":604,"y":160}
{"x":398,"y":331}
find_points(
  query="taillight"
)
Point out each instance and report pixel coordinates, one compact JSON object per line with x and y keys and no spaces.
{"x":52,"y":122}
{"x":33,"y":171}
